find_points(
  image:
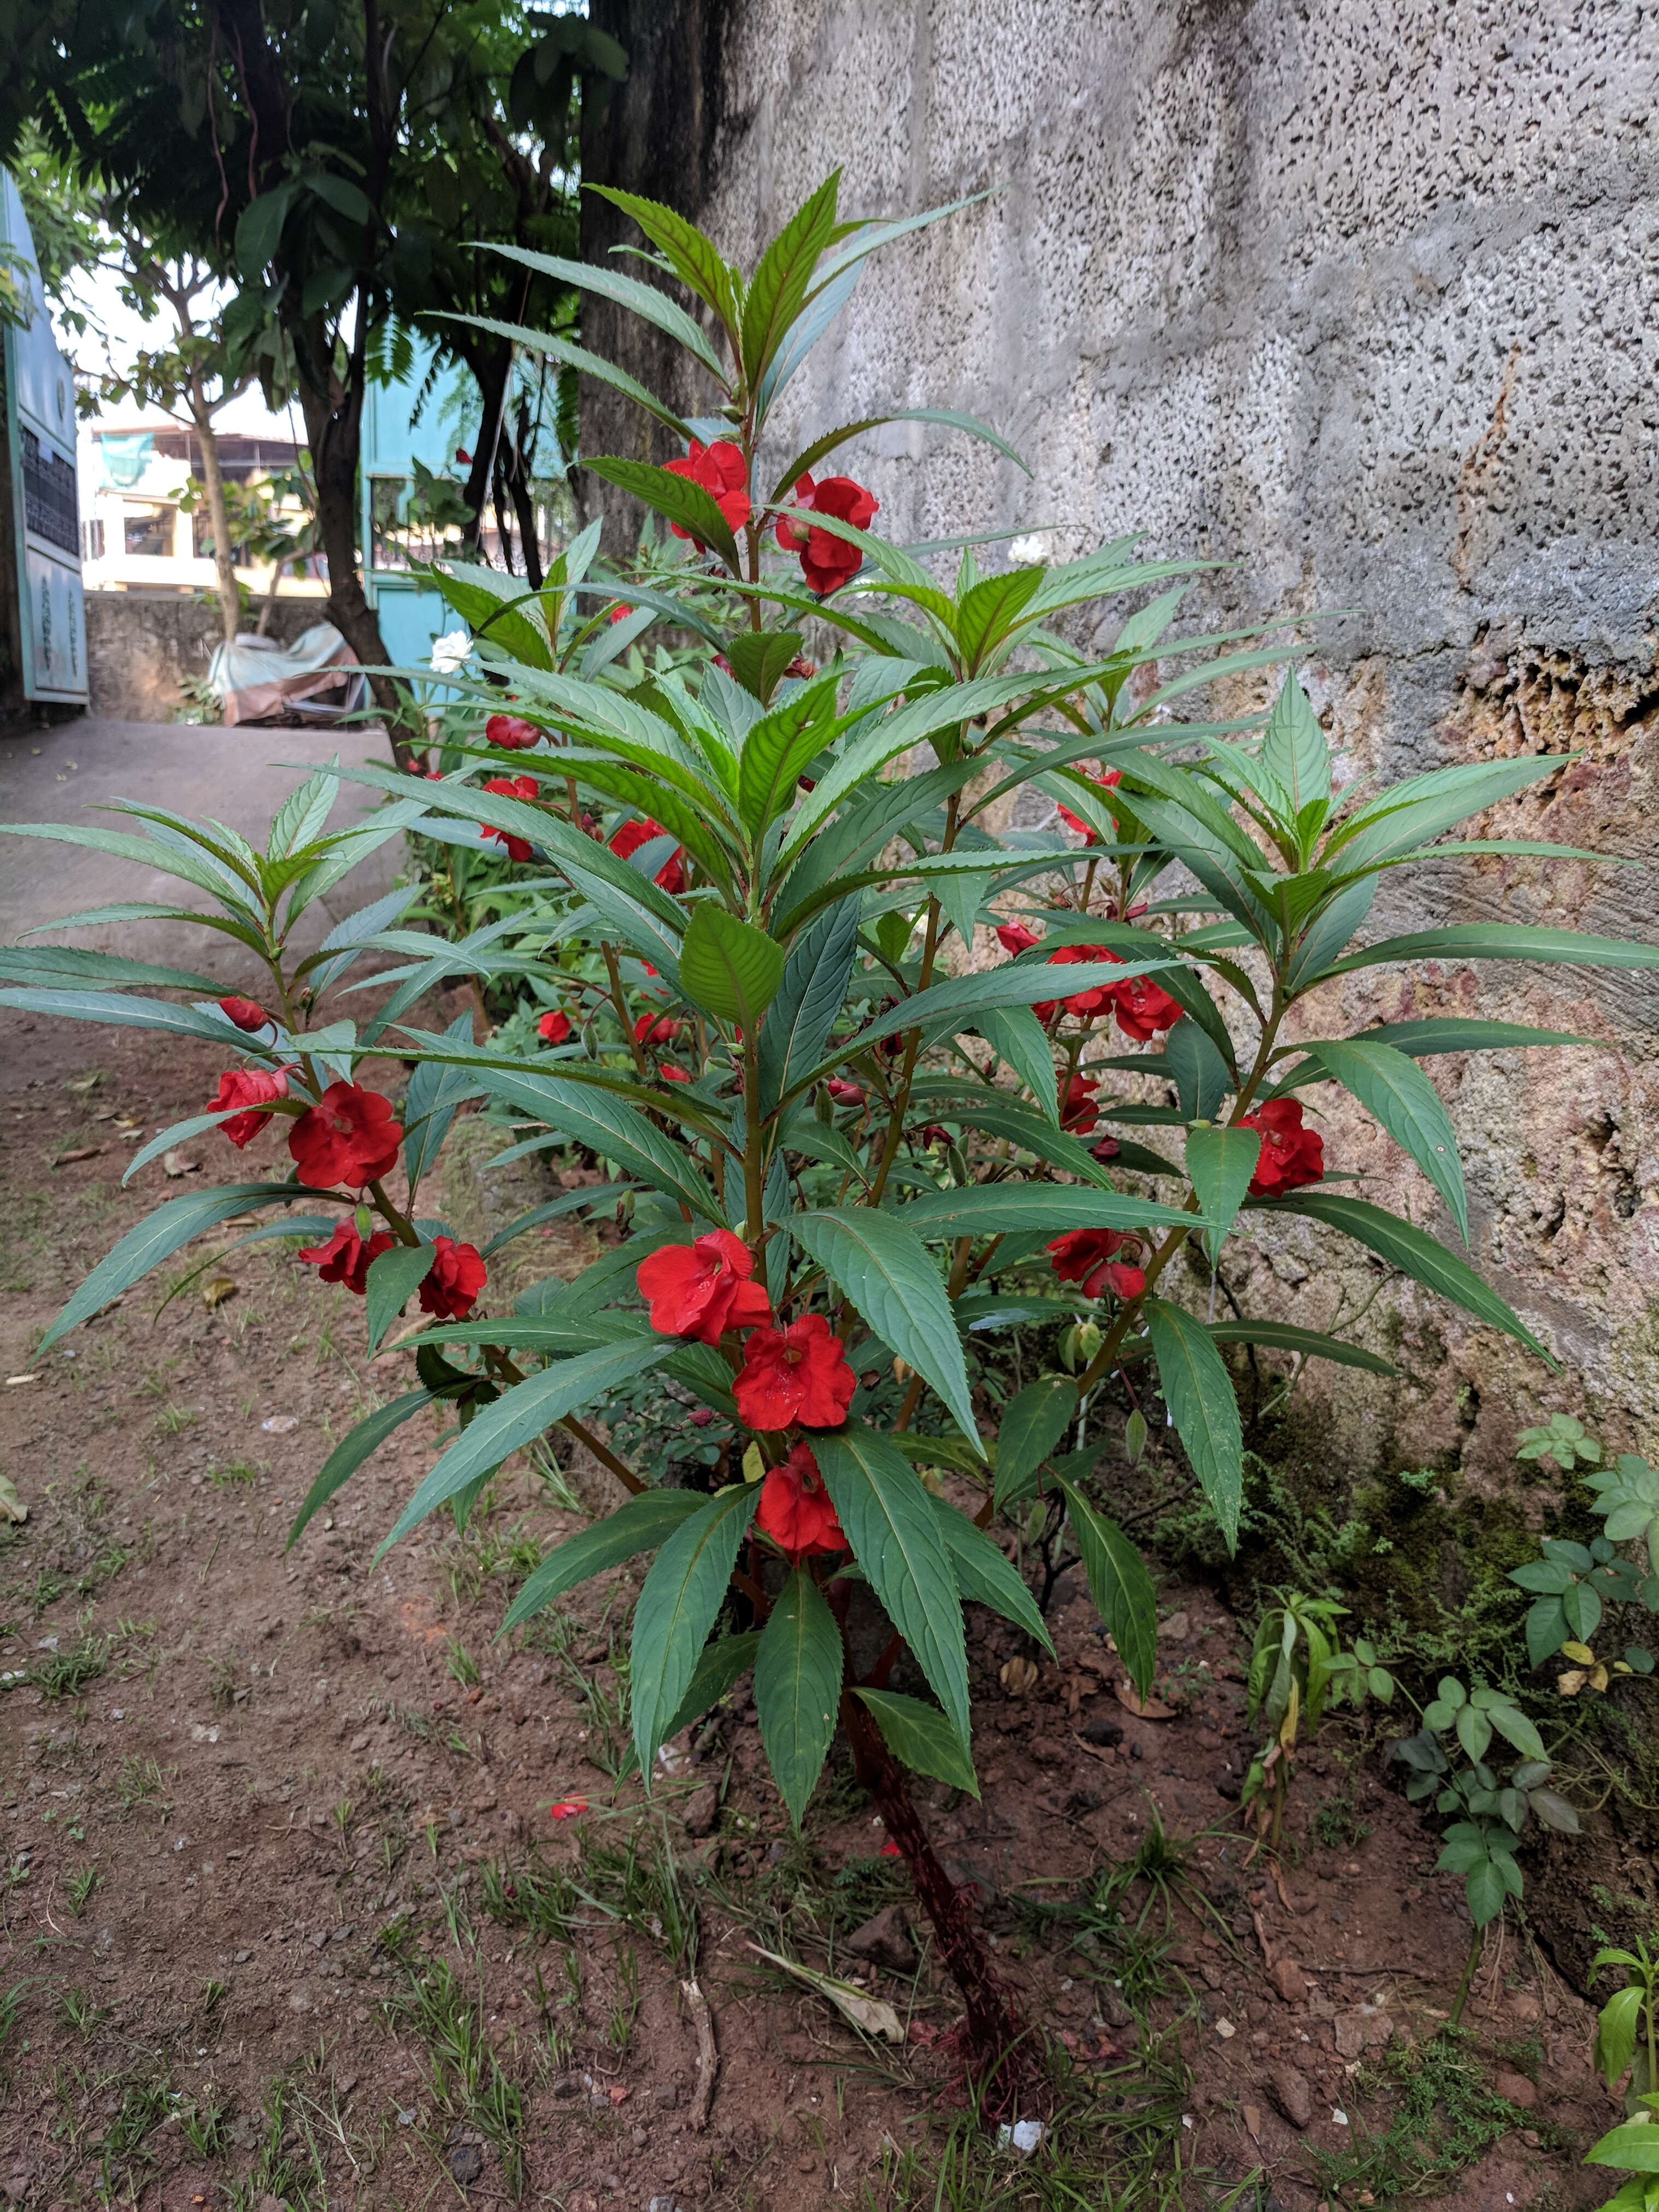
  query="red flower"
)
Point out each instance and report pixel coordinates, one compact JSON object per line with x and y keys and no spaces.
{"x":246,"y":1086}
{"x":349,"y":1136}
{"x":1085,"y":1256}
{"x":795,"y":1510}
{"x":511,"y":786}
{"x":620,"y":612}
{"x":719,"y":468}
{"x":843,"y":1093}
{"x":1108,"y":781}
{"x":1014,"y":937}
{"x":670,"y":1073}
{"x":702,"y":1289}
{"x":568,"y":1808}
{"x":1084,"y":1004}
{"x":656,"y":1029}
{"x":639,"y":831}
{"x":246,"y":1015}
{"x":511,"y":733}
{"x":347,"y":1257}
{"x":1142,"y":1009}
{"x":1107,"y":1148}
{"x":806,"y":669}
{"x":827,"y":561}
{"x":554,"y":1028}
{"x":891,"y":1850}
{"x":457,"y":1275}
{"x":795,"y":1374}
{"x":1078,"y":1111}
{"x":1291,"y":1155}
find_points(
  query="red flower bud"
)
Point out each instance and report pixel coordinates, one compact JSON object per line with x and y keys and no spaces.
{"x":511,"y":733}
{"x":843,"y":1093}
{"x":246,"y":1015}
{"x":252,"y":1087}
{"x":554,"y":1028}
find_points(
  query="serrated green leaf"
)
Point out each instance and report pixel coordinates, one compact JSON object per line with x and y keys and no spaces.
{"x":1033,"y":1422}
{"x":989,"y":609}
{"x":1220,"y":1163}
{"x":760,"y":657}
{"x":1503,"y":940}
{"x":1311,"y":1343}
{"x":1394,"y":1088}
{"x":1120,"y":1585}
{"x":1201,"y":1077}
{"x":890,"y":1521}
{"x":639,"y":1525}
{"x":920,"y":1737}
{"x":813,"y":990}
{"x":783,"y":277}
{"x":1018,"y":1039}
{"x":610,"y":1127}
{"x":1199,"y":1392}
{"x":679,"y":498}
{"x":1294,"y":751}
{"x":1048,"y":1209}
{"x":353,"y":1447}
{"x":729,"y":968}
{"x":392,"y":1281}
{"x":885,"y":1270}
{"x":797,"y":1676}
{"x":984,"y":1576}
{"x":682,"y":1593}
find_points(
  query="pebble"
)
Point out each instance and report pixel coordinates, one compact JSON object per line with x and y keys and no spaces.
{"x":1288,"y":1981}
{"x":467,"y":2163}
{"x":885,"y":1941}
{"x":1288,"y":2088}
{"x":1517,"y":2089}
{"x":701,"y":1809}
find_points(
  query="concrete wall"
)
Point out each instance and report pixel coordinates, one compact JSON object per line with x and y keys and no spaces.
{"x":142,"y":645}
{"x":1366,"y":301}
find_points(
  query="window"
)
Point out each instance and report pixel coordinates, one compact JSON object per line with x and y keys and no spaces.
{"x":148,"y":531}
{"x":201,"y":538}
{"x":92,"y":540}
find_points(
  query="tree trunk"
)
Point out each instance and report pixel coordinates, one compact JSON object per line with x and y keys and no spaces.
{"x":213,"y":482}
{"x":262,"y":628}
{"x":335,"y":433}
{"x":1002,"y":2056}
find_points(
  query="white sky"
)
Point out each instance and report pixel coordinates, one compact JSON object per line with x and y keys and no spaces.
{"x":99,"y":293}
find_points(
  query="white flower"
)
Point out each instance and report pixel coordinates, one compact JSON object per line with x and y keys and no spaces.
{"x":1023,"y":552}
{"x":451,"y":652}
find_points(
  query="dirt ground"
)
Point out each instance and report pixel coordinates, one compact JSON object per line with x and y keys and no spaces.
{"x":287,"y":1922}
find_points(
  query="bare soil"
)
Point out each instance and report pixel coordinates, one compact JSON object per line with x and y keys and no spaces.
{"x":288,"y":1920}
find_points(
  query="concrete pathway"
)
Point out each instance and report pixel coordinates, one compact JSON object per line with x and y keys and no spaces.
{"x":66,"y":772}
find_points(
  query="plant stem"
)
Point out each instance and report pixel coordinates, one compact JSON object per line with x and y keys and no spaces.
{"x":1477,"y":1944}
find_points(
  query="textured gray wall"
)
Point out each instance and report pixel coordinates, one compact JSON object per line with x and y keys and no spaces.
{"x":1364,"y":301}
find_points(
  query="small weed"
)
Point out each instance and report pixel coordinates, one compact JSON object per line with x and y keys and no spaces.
{"x":65,"y":1673}
{"x":462,"y":1666}
{"x":205,"y":2124}
{"x":79,"y":1886}
{"x":1446,"y":2118}
{"x":79,"y":2012}
{"x":467,"y":2078}
{"x":343,"y":1814}
{"x":174,"y":1420}
{"x":1337,"y":1823}
{"x":534,"y":1896}
{"x":640,"y":1888}
{"x":143,"y":1787}
{"x":213,"y":1993}
{"x":626,"y":2010}
{"x":238,"y":1474}
{"x":221,"y":1682}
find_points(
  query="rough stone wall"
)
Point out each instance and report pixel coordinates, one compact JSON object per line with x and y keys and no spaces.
{"x":1365,"y":301}
{"x":142,"y":647}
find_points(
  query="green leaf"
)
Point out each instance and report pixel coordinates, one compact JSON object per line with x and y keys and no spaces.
{"x":682,"y":1593}
{"x":393,"y":1280}
{"x":729,"y":968}
{"x":1202,"y":1078}
{"x":890,"y":1524}
{"x":1516,"y":1728}
{"x":1615,"y":2033}
{"x":116,"y":1012}
{"x":523,"y":1413}
{"x":812,"y":994}
{"x":260,"y":229}
{"x":950,"y":418}
{"x":920,"y":1737}
{"x":571,"y":1201}
{"x":679,"y":497}
{"x":1199,"y":1392}
{"x":884,"y":1269}
{"x":1311,"y":1343}
{"x":1033,"y":1423}
{"x":1414,"y":1253}
{"x":67,"y":964}
{"x":429,"y":1105}
{"x":1019,"y":1038}
{"x":759,"y":657}
{"x":1474,"y":1731}
{"x":639,"y":1525}
{"x":1294,"y":751}
{"x":1120,"y":1585}
{"x":610,"y":1127}
{"x":1219,"y":1164}
{"x":191,"y":863}
{"x":1003,"y":1209}
{"x":156,"y":1238}
{"x":1424,"y":1040}
{"x":783,"y":276}
{"x":798,"y":1674}
{"x":1503,"y":940}
{"x":1488,"y":1893}
{"x":564,"y":351}
{"x":985,"y":1576}
{"x":648,"y":301}
{"x":353,"y":1449}
{"x":1394,"y":1089}
{"x":1634,"y":2146}
{"x":989,"y":609}
{"x":496,"y":607}
{"x":1546,"y":1629}
{"x":694,"y":256}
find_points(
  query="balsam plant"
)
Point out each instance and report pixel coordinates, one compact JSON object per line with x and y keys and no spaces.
{"x":1572,"y":1584}
{"x":1298,"y":1671}
{"x":842,"y":1132}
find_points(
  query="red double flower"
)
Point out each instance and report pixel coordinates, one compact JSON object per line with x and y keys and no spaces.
{"x":1141,"y":1008}
{"x":347,"y":1257}
{"x":1079,"y":1111}
{"x":349,"y":1136}
{"x":511,"y":733}
{"x":1108,"y":780}
{"x":827,"y":561}
{"x":656,"y":1029}
{"x":454,"y":1279}
{"x":795,"y":1374}
{"x":1291,"y":1155}
{"x":1014,"y":937}
{"x":511,"y":786}
{"x":702,"y":1289}
{"x":554,"y":1028}
{"x":639,"y":831}
{"x":795,"y":1510}
{"x":1084,"y":1004}
{"x":252,"y":1087}
{"x":719,"y":469}
{"x":1087,"y":1256}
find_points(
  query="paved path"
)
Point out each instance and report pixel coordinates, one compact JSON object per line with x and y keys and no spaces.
{"x":64,"y":772}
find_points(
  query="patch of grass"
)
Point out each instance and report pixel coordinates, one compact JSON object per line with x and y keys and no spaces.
{"x":174,"y":1420}
{"x":467,"y":2079}
{"x":79,"y":2012}
{"x":1446,"y":2117}
{"x":143,"y":1787}
{"x":236,"y":1473}
{"x":1337,"y":1823}
{"x":66,"y":1674}
{"x":80,"y":1886}
{"x":534,"y":1896}
{"x":462,"y":1666}
{"x":637,"y":1883}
